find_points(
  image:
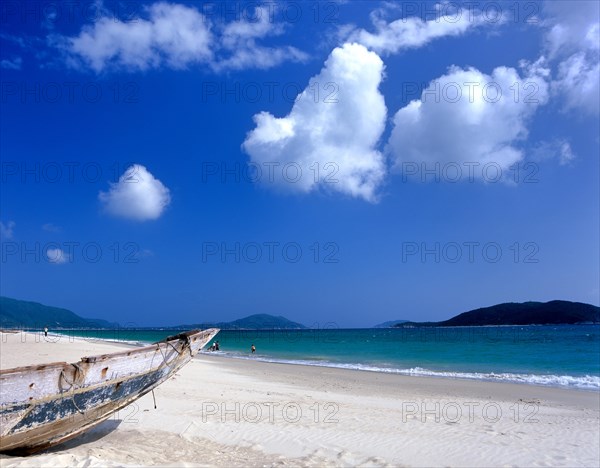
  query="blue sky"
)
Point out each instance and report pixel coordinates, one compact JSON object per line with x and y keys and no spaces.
{"x":347,"y":162}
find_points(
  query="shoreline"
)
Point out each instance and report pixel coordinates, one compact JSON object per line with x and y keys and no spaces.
{"x":388,"y":382}
{"x":218,"y":411}
{"x":418,"y":373}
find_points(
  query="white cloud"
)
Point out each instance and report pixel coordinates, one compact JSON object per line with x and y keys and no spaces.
{"x":137,"y":195}
{"x":57,"y":256}
{"x":572,"y":26}
{"x":255,"y":56}
{"x":573,"y":43}
{"x":173,"y":35}
{"x":413,"y":32}
{"x":176,"y":36}
{"x":565,"y":153}
{"x":578,"y":81}
{"x":240,"y":49}
{"x":467,"y":116}
{"x":7,"y":230}
{"x":14,"y":64}
{"x":555,"y":149}
{"x":331,"y":132}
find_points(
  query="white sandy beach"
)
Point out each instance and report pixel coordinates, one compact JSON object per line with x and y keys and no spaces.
{"x":230,"y":412}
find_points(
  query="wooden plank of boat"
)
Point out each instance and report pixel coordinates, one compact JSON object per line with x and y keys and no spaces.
{"x":41,"y":406}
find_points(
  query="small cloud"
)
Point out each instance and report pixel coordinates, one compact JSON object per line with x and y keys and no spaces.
{"x":141,"y":254}
{"x":240,"y":50}
{"x":556,"y":149}
{"x":138,"y":195}
{"x":57,"y":256}
{"x":49,"y":20}
{"x":578,"y":82}
{"x":49,"y":227}
{"x":413,"y":32}
{"x":14,"y":64}
{"x":18,"y":40}
{"x":566,"y":154}
{"x":145,"y":253}
{"x":6,"y":230}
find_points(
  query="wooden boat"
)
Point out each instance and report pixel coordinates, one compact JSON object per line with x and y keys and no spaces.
{"x":44,"y":405}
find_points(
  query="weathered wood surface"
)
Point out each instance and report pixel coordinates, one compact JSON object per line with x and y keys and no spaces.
{"x":44,"y":405}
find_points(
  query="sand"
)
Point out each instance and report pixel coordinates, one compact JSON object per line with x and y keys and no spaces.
{"x":219,"y":411}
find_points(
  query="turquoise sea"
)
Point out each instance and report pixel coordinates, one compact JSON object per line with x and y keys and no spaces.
{"x":565,"y":355}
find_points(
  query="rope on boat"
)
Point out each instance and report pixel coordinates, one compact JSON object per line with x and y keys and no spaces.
{"x":173,"y":346}
{"x":187,"y":344}
{"x":73,"y":385}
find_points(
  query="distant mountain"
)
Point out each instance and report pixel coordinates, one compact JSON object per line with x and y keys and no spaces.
{"x":252,"y":322}
{"x":525,"y":313}
{"x":264,"y":321}
{"x":24,"y":314}
{"x":390,"y":323}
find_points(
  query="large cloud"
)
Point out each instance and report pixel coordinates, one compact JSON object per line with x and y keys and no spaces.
{"x":573,"y":42}
{"x":413,"y":32}
{"x":467,"y":116}
{"x":329,"y":137}
{"x":176,"y":36}
{"x":137,"y":195}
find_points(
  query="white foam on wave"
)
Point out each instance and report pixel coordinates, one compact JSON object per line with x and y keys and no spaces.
{"x":92,"y":339}
{"x":587,"y":382}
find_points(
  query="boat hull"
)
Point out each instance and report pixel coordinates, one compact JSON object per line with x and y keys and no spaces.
{"x":41,"y":406}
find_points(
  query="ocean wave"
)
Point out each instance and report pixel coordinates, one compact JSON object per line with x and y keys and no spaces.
{"x":92,"y":339}
{"x":586,"y":382}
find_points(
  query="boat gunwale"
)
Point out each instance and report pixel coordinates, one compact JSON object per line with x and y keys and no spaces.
{"x":103,"y":357}
{"x":79,"y":390}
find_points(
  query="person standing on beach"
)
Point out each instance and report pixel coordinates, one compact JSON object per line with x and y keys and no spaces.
{"x":46,"y":332}
{"x":253,"y":349}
